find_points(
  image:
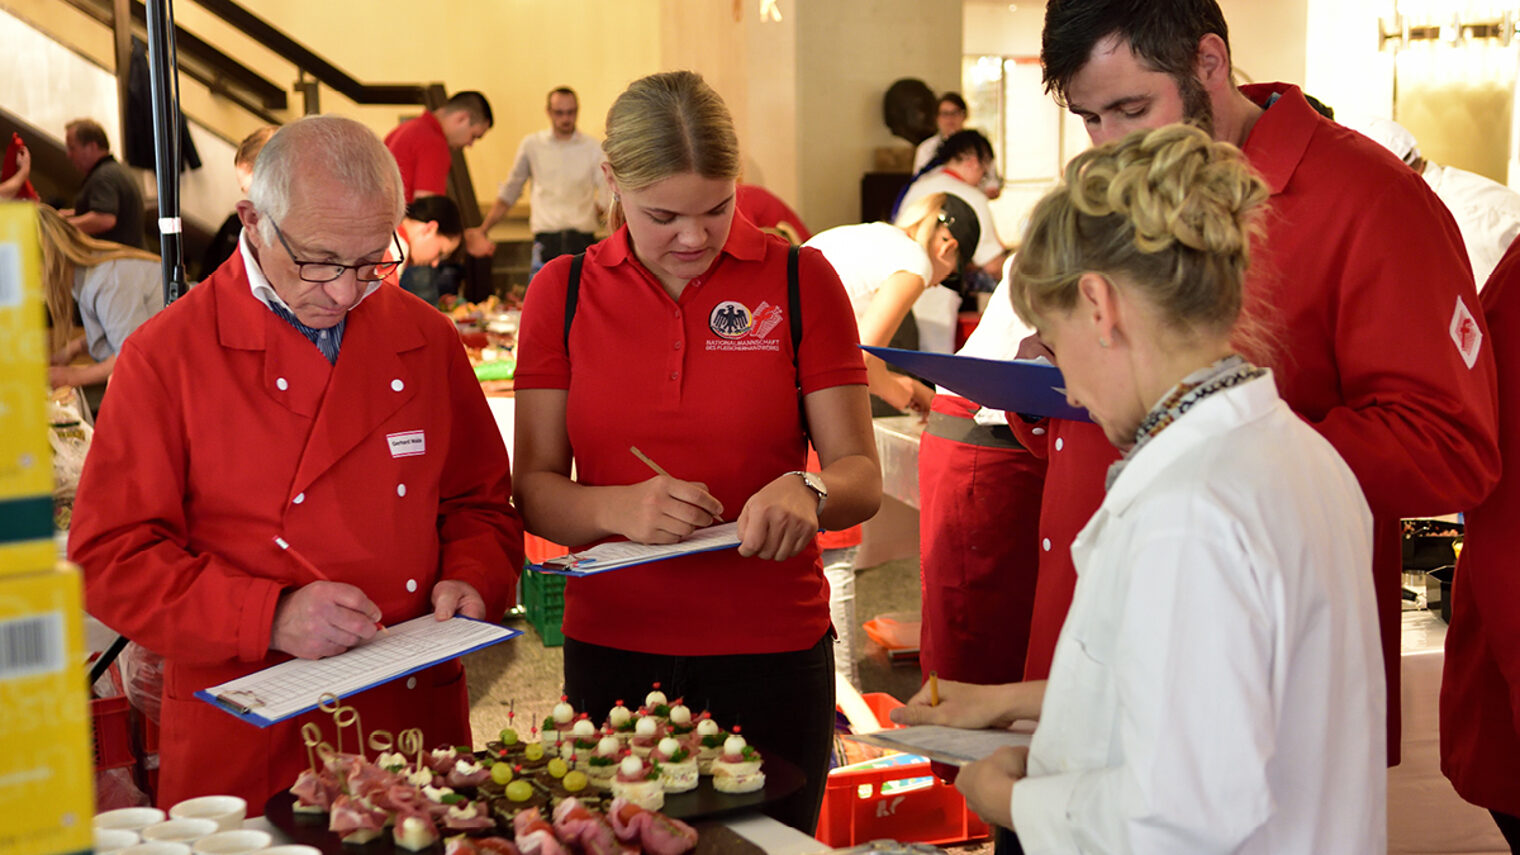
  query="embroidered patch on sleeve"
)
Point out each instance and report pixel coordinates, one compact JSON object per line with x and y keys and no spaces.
{"x":1466,"y":334}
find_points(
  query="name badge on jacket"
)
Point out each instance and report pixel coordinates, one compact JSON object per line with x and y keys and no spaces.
{"x":407,"y":444}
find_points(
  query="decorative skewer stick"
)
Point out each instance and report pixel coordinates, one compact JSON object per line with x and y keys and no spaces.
{"x":330,"y":704}
{"x":344,"y":717}
{"x":409,"y":741}
{"x":382,"y":741}
{"x":311,"y":736}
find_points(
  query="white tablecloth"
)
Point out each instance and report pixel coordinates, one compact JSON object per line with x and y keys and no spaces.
{"x":1425,"y":815}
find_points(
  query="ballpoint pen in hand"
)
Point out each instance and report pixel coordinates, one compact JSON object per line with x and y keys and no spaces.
{"x":312,"y":569}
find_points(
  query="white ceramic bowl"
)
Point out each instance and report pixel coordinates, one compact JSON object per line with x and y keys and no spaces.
{"x":108,"y":840}
{"x":238,"y":842}
{"x":226,"y":811}
{"x":156,"y":847}
{"x":180,"y":830}
{"x":131,"y":819}
{"x":289,"y":849}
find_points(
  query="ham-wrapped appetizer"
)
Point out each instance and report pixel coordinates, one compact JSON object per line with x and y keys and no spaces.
{"x":355,"y":820}
{"x":575,"y":824}
{"x":656,"y":832}
{"x":469,"y":816}
{"x":414,"y":829}
{"x":467,"y":773}
{"x":441,"y":759}
{"x":314,"y":791}
{"x":535,"y":836}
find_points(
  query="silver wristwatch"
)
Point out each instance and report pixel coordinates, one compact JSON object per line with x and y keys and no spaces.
{"x":814,"y":482}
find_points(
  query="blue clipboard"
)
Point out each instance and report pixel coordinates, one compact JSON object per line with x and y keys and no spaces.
{"x":245,"y":705}
{"x":1030,"y":388}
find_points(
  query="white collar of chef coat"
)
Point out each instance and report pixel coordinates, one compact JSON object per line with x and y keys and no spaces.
{"x":259,"y":283}
{"x":1217,"y":414}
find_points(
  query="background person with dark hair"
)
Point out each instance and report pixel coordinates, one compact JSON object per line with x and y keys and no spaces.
{"x":422,"y":145}
{"x":430,"y":232}
{"x":569,"y":193}
{"x":950,"y":119}
{"x":110,"y":202}
{"x":958,"y":168}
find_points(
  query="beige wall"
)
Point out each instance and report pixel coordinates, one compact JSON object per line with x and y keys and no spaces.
{"x":806,"y":91}
{"x":514,"y":51}
{"x":1330,"y":47}
{"x":848,"y":53}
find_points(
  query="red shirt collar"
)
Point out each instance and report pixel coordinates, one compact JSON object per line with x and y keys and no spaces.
{"x":1281,"y":135}
{"x":956,"y":175}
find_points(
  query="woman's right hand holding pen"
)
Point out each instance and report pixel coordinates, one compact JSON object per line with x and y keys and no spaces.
{"x":970,"y":705}
{"x":661,"y":509}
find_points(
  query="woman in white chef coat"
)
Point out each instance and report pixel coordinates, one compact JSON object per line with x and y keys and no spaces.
{"x":1218,"y":684}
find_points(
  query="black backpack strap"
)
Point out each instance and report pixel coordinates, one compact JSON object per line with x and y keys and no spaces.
{"x":794,"y":317}
{"x":572,"y":295}
{"x":794,"y":300}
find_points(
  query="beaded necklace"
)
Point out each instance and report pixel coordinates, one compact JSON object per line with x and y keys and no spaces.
{"x":1226,"y":373}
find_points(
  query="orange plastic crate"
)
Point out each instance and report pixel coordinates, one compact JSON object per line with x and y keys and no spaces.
{"x":540,"y":550}
{"x":905,"y":803}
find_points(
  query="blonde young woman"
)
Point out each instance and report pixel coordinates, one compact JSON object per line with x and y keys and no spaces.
{"x":886,"y":267}
{"x":114,"y":288}
{"x":680,"y":345}
{"x":1218,"y":683}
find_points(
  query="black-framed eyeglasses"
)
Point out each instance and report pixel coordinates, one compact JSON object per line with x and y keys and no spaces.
{"x":327,"y":271}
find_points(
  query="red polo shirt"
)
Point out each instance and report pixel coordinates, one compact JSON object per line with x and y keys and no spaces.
{"x":422,"y":152}
{"x":707,"y":386}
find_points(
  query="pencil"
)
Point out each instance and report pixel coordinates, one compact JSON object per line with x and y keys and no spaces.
{"x":657,"y":469}
{"x":312,"y":569}
{"x":933,"y":688}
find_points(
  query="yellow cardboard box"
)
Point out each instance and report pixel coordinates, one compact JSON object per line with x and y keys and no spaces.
{"x":26,"y":472}
{"x":47,"y":778}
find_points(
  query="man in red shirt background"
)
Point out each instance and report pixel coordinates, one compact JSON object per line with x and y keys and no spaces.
{"x":1361,"y":294}
{"x":423,"y":146}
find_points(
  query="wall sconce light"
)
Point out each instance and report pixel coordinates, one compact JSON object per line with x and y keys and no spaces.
{"x":770,"y":10}
{"x":1401,"y":32}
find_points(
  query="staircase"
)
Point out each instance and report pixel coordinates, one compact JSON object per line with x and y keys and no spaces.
{"x":60,"y":63}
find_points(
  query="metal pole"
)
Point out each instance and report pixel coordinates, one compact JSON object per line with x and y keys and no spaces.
{"x":166,"y":143}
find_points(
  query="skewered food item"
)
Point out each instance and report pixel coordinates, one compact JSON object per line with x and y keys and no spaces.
{"x":678,"y":765}
{"x":737,"y":769}
{"x":638,"y":781}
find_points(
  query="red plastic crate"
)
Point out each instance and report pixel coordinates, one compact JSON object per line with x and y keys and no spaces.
{"x":112,"y":722}
{"x":905,"y":803}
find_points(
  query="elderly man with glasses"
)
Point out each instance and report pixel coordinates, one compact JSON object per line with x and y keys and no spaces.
{"x":295,"y":395}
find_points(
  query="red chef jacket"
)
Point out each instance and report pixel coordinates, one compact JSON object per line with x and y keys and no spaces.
{"x":386,"y":470}
{"x":1480,"y":684}
{"x":1362,"y":294}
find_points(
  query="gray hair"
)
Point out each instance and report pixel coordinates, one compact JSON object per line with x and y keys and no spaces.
{"x":333,"y":146}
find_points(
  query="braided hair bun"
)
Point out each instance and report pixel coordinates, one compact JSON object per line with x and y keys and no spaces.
{"x":1170,"y":209}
